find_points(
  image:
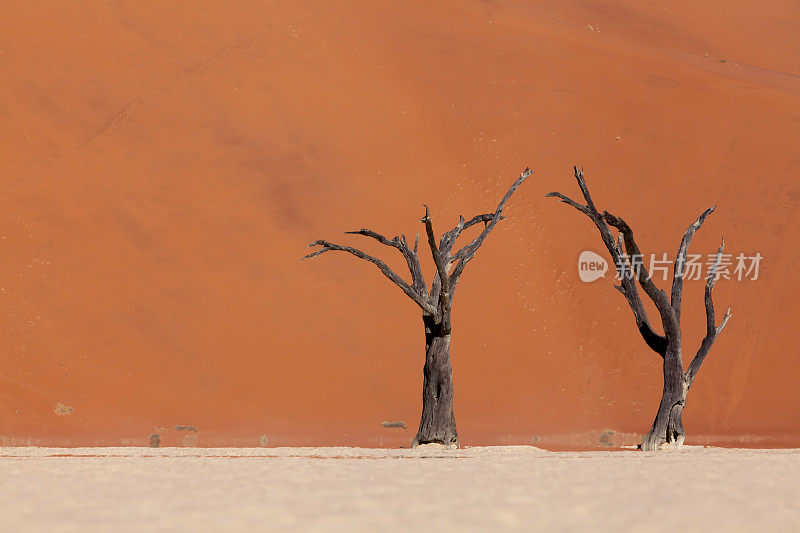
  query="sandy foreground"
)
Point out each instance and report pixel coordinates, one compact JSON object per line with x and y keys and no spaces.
{"x":515,"y":488}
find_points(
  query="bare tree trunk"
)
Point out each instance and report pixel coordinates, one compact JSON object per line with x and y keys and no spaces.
{"x":438,"y":424}
{"x":675,"y":433}
{"x":668,"y":426}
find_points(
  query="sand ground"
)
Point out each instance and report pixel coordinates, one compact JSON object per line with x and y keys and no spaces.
{"x":515,"y":488}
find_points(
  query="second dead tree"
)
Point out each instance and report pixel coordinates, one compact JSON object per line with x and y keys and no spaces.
{"x":667,"y":427}
{"x":437,"y":424}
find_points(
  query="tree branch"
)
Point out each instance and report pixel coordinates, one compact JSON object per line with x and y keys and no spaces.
{"x":569,"y":201}
{"x":624,"y":267}
{"x":441,"y":270}
{"x":377,"y":236}
{"x":412,"y":259}
{"x":449,"y":238}
{"x":383,"y":267}
{"x":712,"y":330}
{"x":468,"y":252}
{"x":479,"y":218}
{"x":680,"y":261}
{"x":446,"y":246}
{"x":410,"y":256}
{"x":656,"y":342}
{"x":658,"y":296}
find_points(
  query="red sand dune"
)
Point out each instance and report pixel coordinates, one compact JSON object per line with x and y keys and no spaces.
{"x":164,"y":165}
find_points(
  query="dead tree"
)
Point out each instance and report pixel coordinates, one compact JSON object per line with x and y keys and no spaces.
{"x":667,"y":426}
{"x":438,"y":424}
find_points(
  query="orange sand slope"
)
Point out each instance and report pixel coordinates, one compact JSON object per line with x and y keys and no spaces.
{"x":164,"y":165}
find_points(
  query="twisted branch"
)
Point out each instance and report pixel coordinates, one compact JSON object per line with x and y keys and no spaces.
{"x":418,"y":281}
{"x":438,"y":303}
{"x":627,"y":266}
{"x":658,"y":296}
{"x":445,"y":303}
{"x":449,"y":238}
{"x":712,"y":330}
{"x":383,"y":267}
{"x":680,"y":261}
{"x":467,"y":253}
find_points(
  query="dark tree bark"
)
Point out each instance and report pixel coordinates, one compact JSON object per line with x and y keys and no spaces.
{"x":668,"y":426}
{"x":437,"y":424}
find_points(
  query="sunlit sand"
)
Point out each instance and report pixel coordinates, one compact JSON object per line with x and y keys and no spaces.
{"x":358,"y":489}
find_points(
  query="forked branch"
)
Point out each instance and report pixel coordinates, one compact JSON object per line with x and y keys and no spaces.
{"x":467,"y":253}
{"x":679,"y":269}
{"x":712,"y":330}
{"x":445,"y":303}
{"x":658,"y":296}
{"x":438,"y":303}
{"x":446,"y":245}
{"x":449,"y":238}
{"x":417,"y":280}
{"x":627,"y":265}
{"x":383,"y":267}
